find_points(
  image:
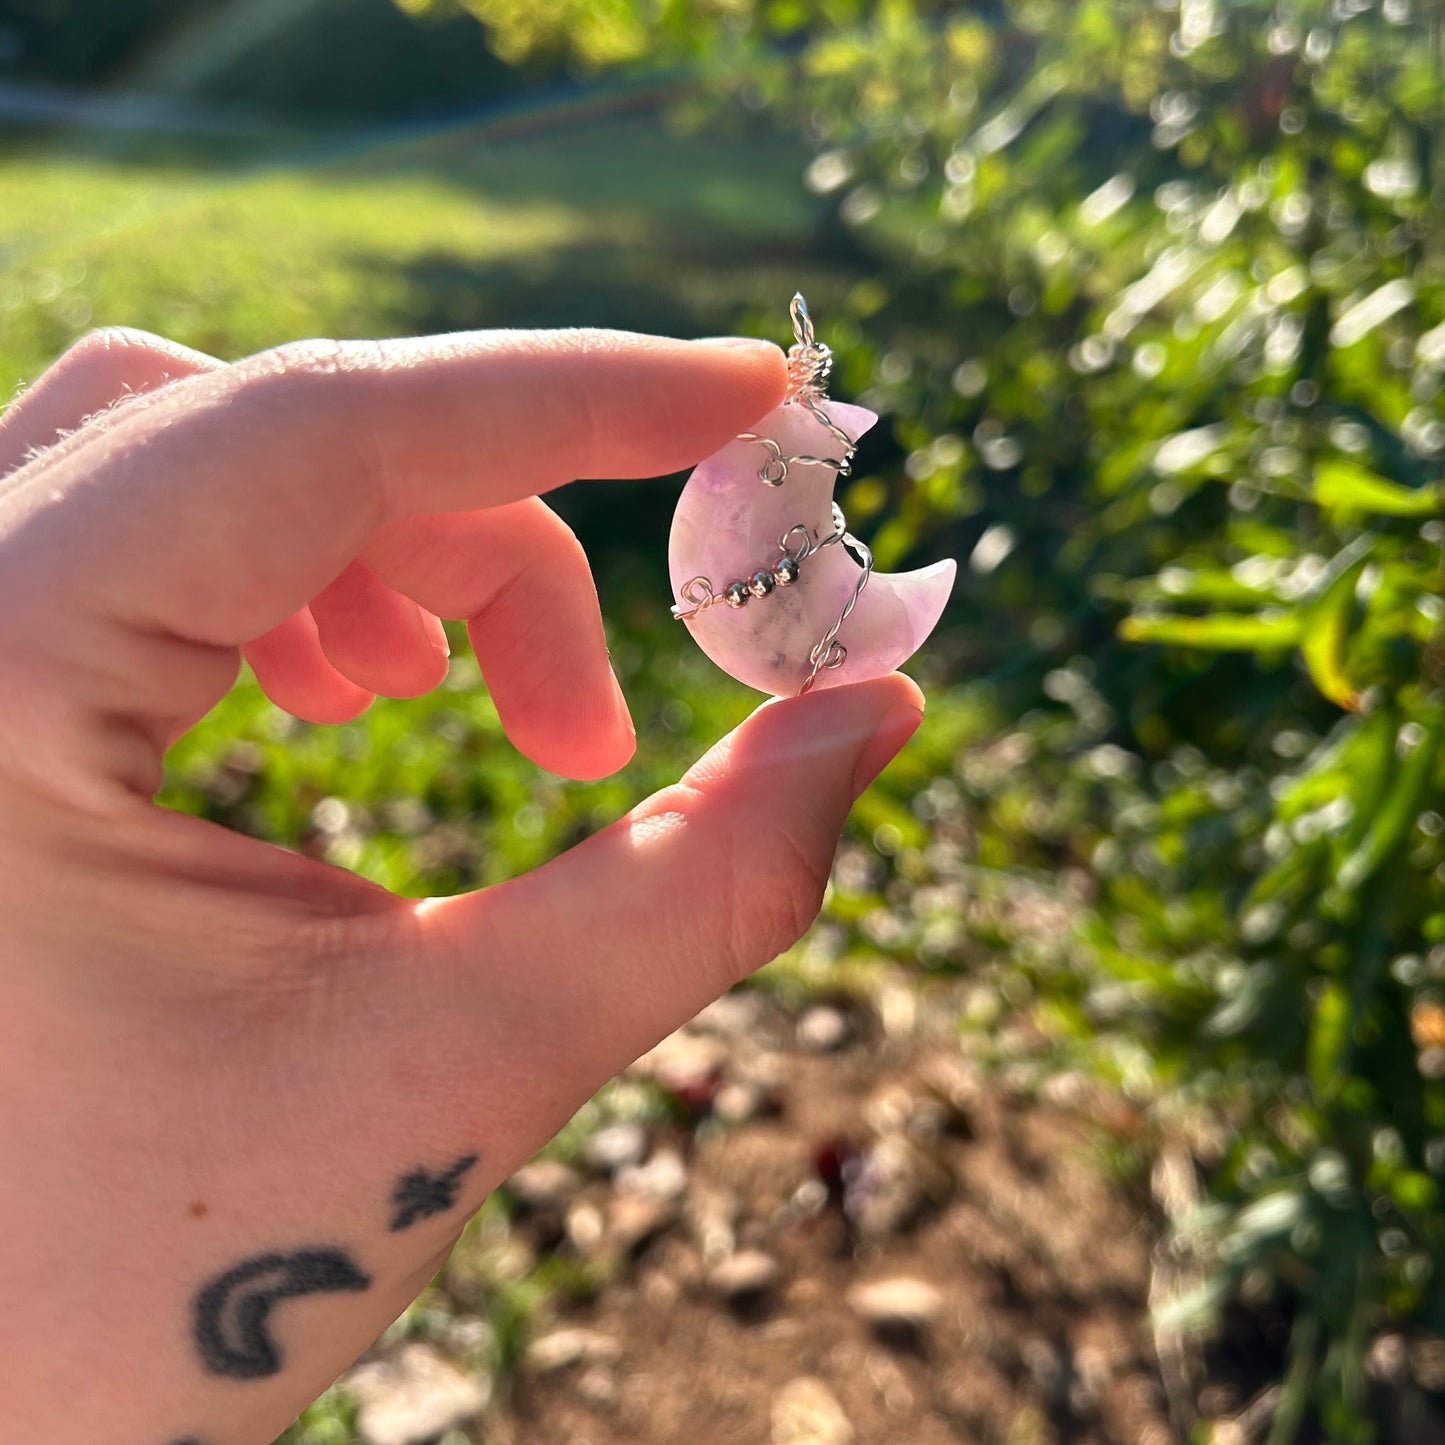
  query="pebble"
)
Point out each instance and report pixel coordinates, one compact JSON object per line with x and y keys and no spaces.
{"x":806,"y":1412}
{"x":822,"y":1029}
{"x":598,"y":1388}
{"x":585,"y":1228}
{"x":615,"y":1147}
{"x":897,"y":1005}
{"x":757,"y":1079}
{"x":415,"y":1397}
{"x":891,"y":1185}
{"x":633,"y":1220}
{"x":664,"y":1176}
{"x":686,"y":1064}
{"x":467,"y":1335}
{"x":766,"y":1068}
{"x":1050,"y":1368}
{"x":544,"y":1186}
{"x":957,"y":1084}
{"x":563,"y":1348}
{"x":1093,"y":1372}
{"x":748,"y":1274}
{"x":736,"y":1103}
{"x":888,"y":1108}
{"x":808,"y":1199}
{"x":898,"y":1303}
{"x":731,"y":1016}
{"x":931,"y":1120}
{"x":712,"y":1215}
{"x":510,"y":1259}
{"x":659,"y":1289}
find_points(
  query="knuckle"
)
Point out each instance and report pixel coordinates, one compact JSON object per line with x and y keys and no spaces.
{"x":110,"y":352}
{"x":101,"y":374}
{"x":589,"y":407}
{"x":111,"y":341}
{"x":320,"y":357}
{"x":569,"y":553}
{"x":299,"y":372}
{"x":329,"y":386}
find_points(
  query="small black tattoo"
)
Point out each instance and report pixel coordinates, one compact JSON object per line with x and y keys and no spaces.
{"x":421,"y":1193}
{"x":189,"y":1440}
{"x":232,"y":1311}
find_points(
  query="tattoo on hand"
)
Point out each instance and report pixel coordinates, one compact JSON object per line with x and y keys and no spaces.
{"x":421,"y":1193}
{"x":231,"y":1318}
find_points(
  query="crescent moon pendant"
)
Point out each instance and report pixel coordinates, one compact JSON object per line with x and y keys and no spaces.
{"x":730,"y":524}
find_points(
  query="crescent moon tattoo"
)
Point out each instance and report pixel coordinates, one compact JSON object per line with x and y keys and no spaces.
{"x":730,"y":522}
{"x":232,"y":1313}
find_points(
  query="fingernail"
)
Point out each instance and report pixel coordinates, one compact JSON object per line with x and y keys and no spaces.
{"x":736,"y":343}
{"x":887,"y":741}
{"x":623,"y":711}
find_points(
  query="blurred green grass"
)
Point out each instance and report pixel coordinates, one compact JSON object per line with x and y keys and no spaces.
{"x":381,"y":239}
{"x":228,"y":265}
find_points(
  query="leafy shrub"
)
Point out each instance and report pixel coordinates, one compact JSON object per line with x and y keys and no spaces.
{"x":1158,"y":305}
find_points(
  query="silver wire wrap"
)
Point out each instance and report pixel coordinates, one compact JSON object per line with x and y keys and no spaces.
{"x":810,"y":364}
{"x":774,"y":471}
{"x":697,"y":591}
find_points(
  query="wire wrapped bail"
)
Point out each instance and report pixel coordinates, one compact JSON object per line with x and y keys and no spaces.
{"x":802,"y":321}
{"x":810,"y":361}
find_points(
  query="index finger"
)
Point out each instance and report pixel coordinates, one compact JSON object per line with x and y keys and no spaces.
{"x":220,"y":505}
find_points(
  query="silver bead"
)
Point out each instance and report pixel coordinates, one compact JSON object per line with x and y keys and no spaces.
{"x":786,"y":572}
{"x":737,"y":594}
{"x":760,"y":583}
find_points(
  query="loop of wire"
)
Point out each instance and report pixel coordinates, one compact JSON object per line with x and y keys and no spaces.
{"x":698,"y":593}
{"x":810,"y":364}
{"x":774,"y":471}
{"x":829,"y":652}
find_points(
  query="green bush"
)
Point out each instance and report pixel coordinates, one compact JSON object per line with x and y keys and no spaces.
{"x":1157,"y":305}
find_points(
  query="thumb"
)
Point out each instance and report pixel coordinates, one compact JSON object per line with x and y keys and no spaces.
{"x":610,"y":947}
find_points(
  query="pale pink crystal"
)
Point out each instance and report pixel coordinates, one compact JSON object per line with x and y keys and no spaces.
{"x":728,"y":524}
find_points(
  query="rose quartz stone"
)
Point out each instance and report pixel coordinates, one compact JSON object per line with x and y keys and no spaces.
{"x":728,"y":525}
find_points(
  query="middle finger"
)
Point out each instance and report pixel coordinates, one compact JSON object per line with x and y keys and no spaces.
{"x":520,"y":578}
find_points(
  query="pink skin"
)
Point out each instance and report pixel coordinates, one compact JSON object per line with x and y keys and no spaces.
{"x":212,"y":1050}
{"x":728,"y":524}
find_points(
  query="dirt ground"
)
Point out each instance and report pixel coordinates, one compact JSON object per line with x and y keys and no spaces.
{"x":1010,"y":1273}
{"x":839,"y":1230}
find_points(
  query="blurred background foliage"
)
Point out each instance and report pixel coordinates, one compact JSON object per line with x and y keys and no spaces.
{"x":1152,"y":299}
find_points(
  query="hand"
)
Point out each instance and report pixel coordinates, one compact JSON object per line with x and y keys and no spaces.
{"x":247,"y":1100}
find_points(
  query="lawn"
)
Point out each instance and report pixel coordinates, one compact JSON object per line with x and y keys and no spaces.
{"x":391,"y":234}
